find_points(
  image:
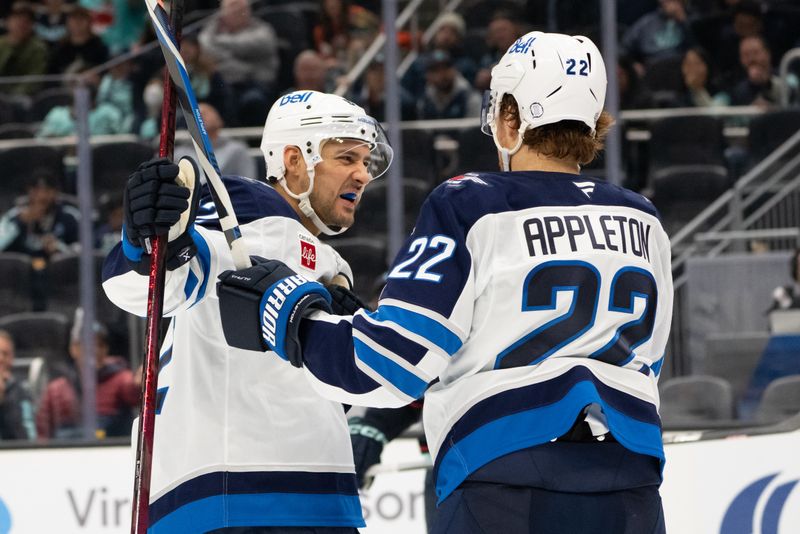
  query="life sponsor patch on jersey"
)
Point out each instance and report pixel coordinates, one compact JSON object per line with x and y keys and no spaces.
{"x":308,"y":253}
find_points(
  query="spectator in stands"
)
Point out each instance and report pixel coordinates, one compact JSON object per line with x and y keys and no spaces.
{"x":129,"y":18}
{"x":664,"y":32}
{"x":116,"y":394}
{"x":449,"y":31}
{"x":310,"y":73}
{"x":246,"y":51}
{"x":788,"y":296}
{"x":231,"y":154}
{"x":447,"y":94}
{"x":344,"y":29}
{"x":698,"y":88}
{"x":21,"y":52}
{"x":208,"y":84}
{"x":16,"y":401}
{"x":81,"y":49}
{"x":372,"y":94}
{"x":501,"y":33}
{"x":116,"y":89}
{"x":42,"y":225}
{"x":632,"y":92}
{"x":152,"y":96}
{"x":746,"y":20}
{"x":111,"y":215}
{"x":104,"y":118}
{"x":51,"y":21}
{"x":761,"y":87}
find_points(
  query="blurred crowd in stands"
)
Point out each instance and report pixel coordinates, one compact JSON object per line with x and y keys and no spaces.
{"x":243,"y":54}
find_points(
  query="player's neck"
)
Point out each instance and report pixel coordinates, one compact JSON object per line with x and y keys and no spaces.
{"x":529,"y":160}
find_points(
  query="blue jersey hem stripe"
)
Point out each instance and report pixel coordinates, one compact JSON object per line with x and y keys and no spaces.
{"x":535,"y":427}
{"x":265,"y":509}
{"x":407,"y":382}
{"x":549,"y":392}
{"x":421,"y":325}
{"x":252,"y":482}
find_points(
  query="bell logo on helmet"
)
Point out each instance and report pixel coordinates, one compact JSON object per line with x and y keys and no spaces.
{"x":295,"y":98}
{"x":520,"y":46}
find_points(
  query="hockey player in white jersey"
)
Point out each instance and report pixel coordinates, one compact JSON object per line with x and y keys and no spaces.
{"x":531,"y":307}
{"x":243,"y":443}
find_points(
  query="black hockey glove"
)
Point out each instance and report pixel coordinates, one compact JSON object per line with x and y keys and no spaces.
{"x":344,"y":301}
{"x":368,"y":442}
{"x":161,"y":198}
{"x":262,"y":307}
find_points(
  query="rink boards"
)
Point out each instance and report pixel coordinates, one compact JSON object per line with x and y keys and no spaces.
{"x":734,"y":485}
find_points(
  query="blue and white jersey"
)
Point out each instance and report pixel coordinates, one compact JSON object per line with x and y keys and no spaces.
{"x":240,"y":438}
{"x":529,"y":296}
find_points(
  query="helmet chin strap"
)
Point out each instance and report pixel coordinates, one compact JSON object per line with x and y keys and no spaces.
{"x":505,"y":154}
{"x":304,"y":203}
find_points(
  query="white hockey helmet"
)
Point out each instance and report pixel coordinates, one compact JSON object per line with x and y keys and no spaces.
{"x":553,"y":77}
{"x":306,"y":119}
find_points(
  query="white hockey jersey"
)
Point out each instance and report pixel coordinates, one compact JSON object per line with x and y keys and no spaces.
{"x":520,"y":299}
{"x":240,"y":438}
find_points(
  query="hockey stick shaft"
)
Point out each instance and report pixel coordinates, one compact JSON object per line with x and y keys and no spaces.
{"x":197,"y":131}
{"x":155,"y":305}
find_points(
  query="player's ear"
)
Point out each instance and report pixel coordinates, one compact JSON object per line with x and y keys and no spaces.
{"x":293,"y":160}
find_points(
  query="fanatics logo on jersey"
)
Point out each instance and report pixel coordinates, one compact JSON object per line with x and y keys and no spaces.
{"x":460,"y":181}
{"x":308,"y":255}
{"x":586,"y":187}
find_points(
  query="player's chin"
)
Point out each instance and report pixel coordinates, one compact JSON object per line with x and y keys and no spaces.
{"x":341,"y":219}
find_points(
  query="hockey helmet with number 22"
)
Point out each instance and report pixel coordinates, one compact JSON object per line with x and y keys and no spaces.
{"x":308,"y":119}
{"x":553,"y":77}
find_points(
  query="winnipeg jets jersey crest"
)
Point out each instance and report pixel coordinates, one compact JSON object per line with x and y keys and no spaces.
{"x":529,"y":296}
{"x":238,"y":434}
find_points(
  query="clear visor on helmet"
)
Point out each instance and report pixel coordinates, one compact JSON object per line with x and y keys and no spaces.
{"x":353,"y":139}
{"x":487,"y":112}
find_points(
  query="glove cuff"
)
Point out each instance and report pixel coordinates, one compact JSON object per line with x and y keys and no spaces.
{"x":179,"y":251}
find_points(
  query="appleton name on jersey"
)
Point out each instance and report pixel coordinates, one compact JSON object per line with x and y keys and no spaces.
{"x":530,"y":296}
{"x":241,"y":439}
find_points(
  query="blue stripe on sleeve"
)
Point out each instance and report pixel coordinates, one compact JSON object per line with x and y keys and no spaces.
{"x":328,"y":355}
{"x":384,"y":336}
{"x":115,"y":263}
{"x":656,"y":367}
{"x":423,"y":326}
{"x":204,"y":257}
{"x":407,"y":382}
{"x":191,"y":283}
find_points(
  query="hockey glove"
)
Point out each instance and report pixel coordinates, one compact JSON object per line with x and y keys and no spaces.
{"x":368,"y":442}
{"x":262,"y":307}
{"x":344,"y":301}
{"x":161,"y":198}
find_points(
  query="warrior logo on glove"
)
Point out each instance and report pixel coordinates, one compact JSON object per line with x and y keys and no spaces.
{"x":274,"y":301}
